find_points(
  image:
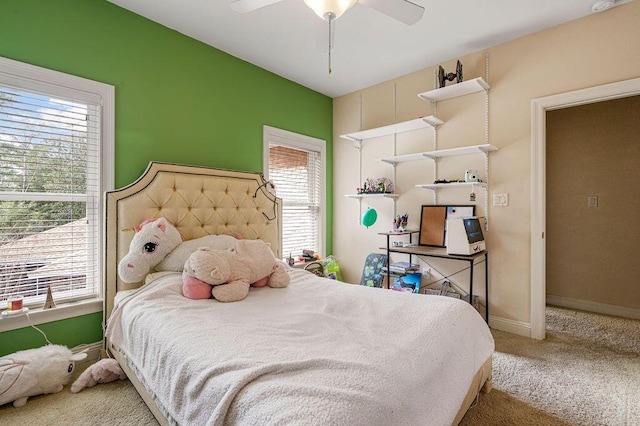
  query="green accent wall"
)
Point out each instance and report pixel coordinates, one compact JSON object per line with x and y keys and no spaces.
{"x":177,"y":100}
{"x":70,"y":332}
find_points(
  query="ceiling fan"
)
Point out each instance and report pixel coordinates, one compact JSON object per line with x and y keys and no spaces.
{"x":401,"y":10}
{"x":330,"y":10}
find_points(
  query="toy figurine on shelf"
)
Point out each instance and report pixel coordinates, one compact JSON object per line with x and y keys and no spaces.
{"x":400,"y":223}
{"x":376,"y":186}
{"x":444,"y":77}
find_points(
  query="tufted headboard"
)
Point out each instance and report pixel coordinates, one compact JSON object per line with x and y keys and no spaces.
{"x":199,"y":201}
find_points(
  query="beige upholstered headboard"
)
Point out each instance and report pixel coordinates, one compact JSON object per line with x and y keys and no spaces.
{"x":199,"y":201}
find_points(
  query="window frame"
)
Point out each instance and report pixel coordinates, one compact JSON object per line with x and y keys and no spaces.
{"x":303,"y":142}
{"x":33,"y":78}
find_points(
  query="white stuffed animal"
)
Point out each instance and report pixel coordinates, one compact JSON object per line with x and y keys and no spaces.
{"x":35,"y":371}
{"x":228,"y":274}
{"x":158,"y":244}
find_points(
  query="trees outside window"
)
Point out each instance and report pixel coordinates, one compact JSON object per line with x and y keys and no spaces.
{"x":52,"y":174}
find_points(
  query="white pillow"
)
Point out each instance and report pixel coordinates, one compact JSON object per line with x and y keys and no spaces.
{"x":153,"y":275}
{"x":175,"y":260}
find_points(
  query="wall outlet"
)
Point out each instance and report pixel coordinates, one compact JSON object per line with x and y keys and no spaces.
{"x":426,"y":273}
{"x":592,"y":201}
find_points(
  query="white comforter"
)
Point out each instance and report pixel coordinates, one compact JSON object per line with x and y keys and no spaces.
{"x":318,"y":352}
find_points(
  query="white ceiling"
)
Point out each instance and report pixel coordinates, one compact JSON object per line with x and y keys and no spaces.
{"x":288,"y":39}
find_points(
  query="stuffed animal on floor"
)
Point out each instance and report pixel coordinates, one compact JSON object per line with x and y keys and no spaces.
{"x":104,"y":371}
{"x":158,"y":244}
{"x":35,"y":371}
{"x":227,"y":274}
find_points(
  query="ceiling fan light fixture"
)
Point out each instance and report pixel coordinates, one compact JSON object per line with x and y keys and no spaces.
{"x":602,"y":5}
{"x":326,"y":9}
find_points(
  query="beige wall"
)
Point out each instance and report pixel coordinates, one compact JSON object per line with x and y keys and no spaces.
{"x":595,"y":50}
{"x":594,"y":150}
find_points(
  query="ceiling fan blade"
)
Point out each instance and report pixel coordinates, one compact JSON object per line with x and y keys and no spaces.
{"x":401,"y":10}
{"x":244,"y":6}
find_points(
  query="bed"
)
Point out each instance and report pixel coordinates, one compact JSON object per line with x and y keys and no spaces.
{"x":316,"y":352}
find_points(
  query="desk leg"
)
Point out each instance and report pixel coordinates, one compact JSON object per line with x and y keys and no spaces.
{"x":486,"y":286}
{"x":410,"y":242}
{"x":388,"y":263}
{"x":471,"y":264}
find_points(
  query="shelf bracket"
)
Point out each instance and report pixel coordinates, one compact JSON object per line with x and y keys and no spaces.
{"x":356,"y":143}
{"x":486,"y":141}
{"x":486,"y":192}
{"x":394,"y":207}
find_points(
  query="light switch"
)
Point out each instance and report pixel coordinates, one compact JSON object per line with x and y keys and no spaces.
{"x":501,"y":200}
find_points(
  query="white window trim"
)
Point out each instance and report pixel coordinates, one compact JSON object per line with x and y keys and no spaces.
{"x":31,"y":77}
{"x":296,"y":140}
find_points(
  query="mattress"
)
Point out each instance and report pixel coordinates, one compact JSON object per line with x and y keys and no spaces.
{"x":316,"y":352}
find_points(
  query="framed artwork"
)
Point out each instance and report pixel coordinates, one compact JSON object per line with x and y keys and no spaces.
{"x":433,"y":222}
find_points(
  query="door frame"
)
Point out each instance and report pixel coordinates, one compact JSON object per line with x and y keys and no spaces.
{"x":539,"y":108}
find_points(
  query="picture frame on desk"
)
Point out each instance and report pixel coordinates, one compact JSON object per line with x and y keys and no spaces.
{"x":433,"y":222}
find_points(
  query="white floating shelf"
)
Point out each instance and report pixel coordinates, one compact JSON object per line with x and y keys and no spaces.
{"x":404,"y":158}
{"x":375,"y":195}
{"x":456,"y":90}
{"x":434,"y":186}
{"x":432,"y":121}
{"x":405,"y":126}
{"x":465,"y":150}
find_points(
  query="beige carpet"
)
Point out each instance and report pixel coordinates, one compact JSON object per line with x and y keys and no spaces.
{"x":587,"y":372}
{"x":115,"y":403}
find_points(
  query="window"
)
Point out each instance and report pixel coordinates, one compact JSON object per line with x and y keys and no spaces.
{"x":56,"y":150}
{"x":296,"y":165}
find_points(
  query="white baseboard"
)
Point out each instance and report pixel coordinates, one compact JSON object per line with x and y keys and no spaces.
{"x":510,"y":326}
{"x":600,"y":308}
{"x":524,"y":329}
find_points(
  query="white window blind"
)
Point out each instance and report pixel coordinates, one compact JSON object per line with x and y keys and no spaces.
{"x":296,"y":167}
{"x":50,"y":189}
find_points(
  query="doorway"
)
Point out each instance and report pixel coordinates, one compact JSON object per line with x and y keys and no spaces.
{"x":539,"y":108}
{"x":592,"y":159}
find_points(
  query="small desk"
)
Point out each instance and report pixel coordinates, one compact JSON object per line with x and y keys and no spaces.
{"x":440,"y":252}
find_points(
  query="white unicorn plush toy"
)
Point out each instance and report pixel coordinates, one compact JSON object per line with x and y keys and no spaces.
{"x":36,"y":371}
{"x":158,"y":244}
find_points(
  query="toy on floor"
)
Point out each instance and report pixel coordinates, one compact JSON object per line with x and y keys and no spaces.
{"x":35,"y":371}
{"x":227,"y":274}
{"x":158,"y":244}
{"x":104,"y":371}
